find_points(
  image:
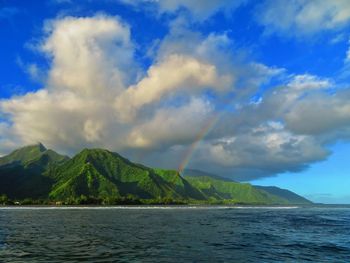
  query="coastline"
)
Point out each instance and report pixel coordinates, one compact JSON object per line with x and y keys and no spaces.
{"x":176,"y":206}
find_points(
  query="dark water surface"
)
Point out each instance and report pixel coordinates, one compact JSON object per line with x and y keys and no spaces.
{"x":214,"y":234}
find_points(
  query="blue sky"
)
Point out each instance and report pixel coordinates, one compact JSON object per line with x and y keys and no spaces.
{"x":252,"y":90}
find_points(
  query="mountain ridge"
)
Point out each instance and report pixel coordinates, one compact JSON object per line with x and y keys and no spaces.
{"x":104,"y":177}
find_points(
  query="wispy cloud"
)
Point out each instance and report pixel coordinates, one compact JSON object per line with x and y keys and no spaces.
{"x":199,"y":10}
{"x":8,"y":12}
{"x":302,"y":18}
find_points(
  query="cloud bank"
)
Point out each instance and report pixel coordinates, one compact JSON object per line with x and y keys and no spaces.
{"x":97,"y":95}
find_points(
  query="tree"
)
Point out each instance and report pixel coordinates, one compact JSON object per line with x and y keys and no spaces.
{"x":81,"y":200}
{"x":4,"y":199}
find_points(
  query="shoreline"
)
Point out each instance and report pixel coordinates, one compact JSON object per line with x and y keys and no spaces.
{"x":167,"y":206}
{"x":140,"y":207}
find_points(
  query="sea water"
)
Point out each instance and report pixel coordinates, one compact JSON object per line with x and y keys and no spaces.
{"x":174,"y":234}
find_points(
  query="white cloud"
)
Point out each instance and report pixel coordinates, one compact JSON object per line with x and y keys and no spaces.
{"x":320,"y":114}
{"x":172,"y":126}
{"x":264,"y":150}
{"x":309,"y":82}
{"x":93,"y":98}
{"x":7,"y":140}
{"x":219,"y":50}
{"x":200,"y":9}
{"x":289,"y":129}
{"x":175,"y":73}
{"x":91,"y":62}
{"x":338,"y":38}
{"x":303,"y":17}
{"x":89,"y":55}
{"x":87,"y":92}
{"x":347,"y":57}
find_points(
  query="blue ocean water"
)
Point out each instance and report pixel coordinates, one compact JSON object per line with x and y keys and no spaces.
{"x":174,"y":234}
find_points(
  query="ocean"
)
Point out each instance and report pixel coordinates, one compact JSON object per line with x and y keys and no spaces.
{"x":174,"y":234}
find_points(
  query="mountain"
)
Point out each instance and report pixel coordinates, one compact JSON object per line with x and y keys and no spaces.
{"x":219,"y":188}
{"x":30,"y":154}
{"x":284,"y":193}
{"x":23,"y":172}
{"x":100,"y":173}
{"x":102,"y":176}
{"x":195,"y":173}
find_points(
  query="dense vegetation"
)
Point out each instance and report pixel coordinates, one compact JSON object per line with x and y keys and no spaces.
{"x":36,"y":175}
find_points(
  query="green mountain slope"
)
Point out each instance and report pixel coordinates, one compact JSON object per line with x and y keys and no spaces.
{"x":23,"y":172}
{"x":217,"y":189}
{"x":100,"y":173}
{"x":286,"y":194}
{"x":30,"y":154}
{"x":195,"y":173}
{"x":103,"y":176}
{"x":182,"y":186}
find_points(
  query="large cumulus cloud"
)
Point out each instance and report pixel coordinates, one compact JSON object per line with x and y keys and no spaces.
{"x":94,"y":96}
{"x":197,"y":88}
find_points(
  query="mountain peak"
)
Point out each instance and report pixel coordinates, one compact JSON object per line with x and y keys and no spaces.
{"x":94,"y":150}
{"x":41,"y":147}
{"x":88,"y":153}
{"x":98,"y":153}
{"x":29,"y":153}
{"x":37,"y":147}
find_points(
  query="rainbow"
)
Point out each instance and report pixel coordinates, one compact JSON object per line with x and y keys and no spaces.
{"x":202,"y":133}
{"x":192,"y":149}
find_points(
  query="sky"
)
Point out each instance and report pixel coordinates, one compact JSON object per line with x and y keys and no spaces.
{"x":256,"y":91}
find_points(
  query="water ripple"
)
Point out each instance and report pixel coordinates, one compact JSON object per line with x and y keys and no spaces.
{"x":179,"y":234}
